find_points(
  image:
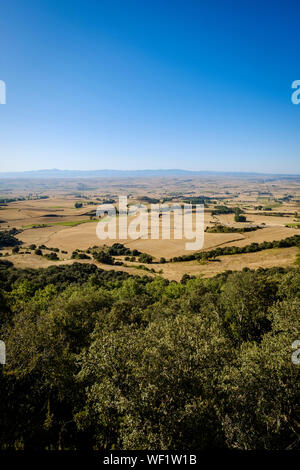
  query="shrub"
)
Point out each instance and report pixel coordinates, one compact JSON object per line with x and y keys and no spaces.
{"x":145,"y":258}
{"x":51,"y":256}
{"x":76,"y":255}
{"x":103,"y":257}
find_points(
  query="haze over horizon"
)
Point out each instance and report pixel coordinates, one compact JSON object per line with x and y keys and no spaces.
{"x":110,"y":173}
{"x":133,"y":85}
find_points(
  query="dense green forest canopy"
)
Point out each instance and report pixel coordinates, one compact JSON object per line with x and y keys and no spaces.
{"x":101,"y":359}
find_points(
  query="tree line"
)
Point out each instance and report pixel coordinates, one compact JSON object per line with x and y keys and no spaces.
{"x":234,"y":250}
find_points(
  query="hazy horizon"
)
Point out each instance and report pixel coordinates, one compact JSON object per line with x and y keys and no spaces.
{"x":155,"y":171}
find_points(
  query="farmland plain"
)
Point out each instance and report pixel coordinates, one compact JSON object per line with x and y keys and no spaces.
{"x":44,"y":214}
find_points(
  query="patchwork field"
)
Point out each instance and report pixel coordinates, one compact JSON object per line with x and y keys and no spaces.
{"x":62,"y":216}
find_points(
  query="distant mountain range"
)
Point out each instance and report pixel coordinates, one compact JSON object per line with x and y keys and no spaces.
{"x":55,"y":173}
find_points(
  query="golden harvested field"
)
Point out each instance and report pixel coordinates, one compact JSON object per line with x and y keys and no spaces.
{"x":266,"y":259}
{"x":48,"y":217}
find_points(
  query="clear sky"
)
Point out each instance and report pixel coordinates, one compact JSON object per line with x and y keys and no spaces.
{"x":145,"y":84}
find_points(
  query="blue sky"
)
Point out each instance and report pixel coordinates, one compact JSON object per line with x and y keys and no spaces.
{"x":150,"y":84}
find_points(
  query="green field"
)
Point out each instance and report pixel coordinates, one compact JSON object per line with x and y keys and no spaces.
{"x":293,"y":225}
{"x":71,"y":223}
